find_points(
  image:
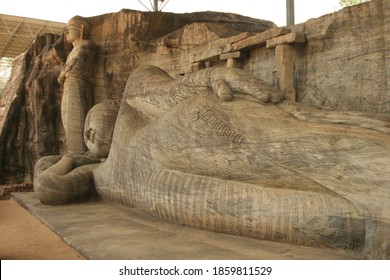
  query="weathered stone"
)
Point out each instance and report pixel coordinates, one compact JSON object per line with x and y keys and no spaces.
{"x":234,"y":59}
{"x":6,"y":190}
{"x":290,"y":38}
{"x":233,"y":62}
{"x":260,"y":39}
{"x":75,"y":77}
{"x":242,"y":167}
{"x":285,"y":62}
{"x":331,"y":51}
{"x":211,"y":49}
{"x":237,"y":55}
{"x":344,"y":64}
{"x":30,"y":114}
{"x":30,"y":125}
{"x":282,"y":172}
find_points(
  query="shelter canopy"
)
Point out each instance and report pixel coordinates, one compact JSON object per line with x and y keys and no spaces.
{"x":17,"y":33}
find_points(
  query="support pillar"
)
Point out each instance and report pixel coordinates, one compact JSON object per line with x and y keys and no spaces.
{"x":234,"y":59}
{"x":233,"y":62}
{"x":196,"y":66}
{"x":285,"y":56}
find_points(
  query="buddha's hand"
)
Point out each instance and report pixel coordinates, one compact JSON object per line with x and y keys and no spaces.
{"x":61,"y":78}
{"x":227,"y":82}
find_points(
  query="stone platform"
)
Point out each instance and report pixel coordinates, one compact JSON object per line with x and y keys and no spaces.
{"x":100,"y":230}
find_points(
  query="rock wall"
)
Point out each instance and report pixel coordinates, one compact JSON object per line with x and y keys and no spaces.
{"x":341,"y":65}
{"x":128,"y":39}
{"x":30,"y":123}
{"x":345,"y":63}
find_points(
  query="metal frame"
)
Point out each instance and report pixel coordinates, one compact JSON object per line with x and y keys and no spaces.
{"x":17,"y":33}
{"x":290,"y":12}
{"x":154,"y":6}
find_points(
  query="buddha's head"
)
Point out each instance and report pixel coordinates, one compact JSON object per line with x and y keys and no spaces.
{"x":99,"y":128}
{"x":77,"y":29}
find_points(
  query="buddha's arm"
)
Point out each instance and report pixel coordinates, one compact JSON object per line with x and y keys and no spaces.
{"x":227,"y":82}
{"x":68,"y":66}
{"x":153,"y":86}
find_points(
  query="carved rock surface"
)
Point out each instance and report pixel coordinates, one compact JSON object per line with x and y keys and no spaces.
{"x":345,"y":63}
{"x":274,"y":172}
{"x":324,"y":169}
{"x":342,"y":66}
{"x":30,"y":124}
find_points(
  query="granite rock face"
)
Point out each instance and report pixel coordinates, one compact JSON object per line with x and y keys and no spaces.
{"x":31,"y":125}
{"x":249,"y":166}
{"x":312,"y":170}
{"x":345,"y":64}
{"x":128,"y":39}
{"x":342,"y":64}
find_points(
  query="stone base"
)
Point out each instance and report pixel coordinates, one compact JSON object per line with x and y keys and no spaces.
{"x":100,"y":230}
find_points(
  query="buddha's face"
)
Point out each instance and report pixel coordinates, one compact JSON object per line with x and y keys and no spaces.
{"x":97,"y":143}
{"x":73,"y":33}
{"x":77,"y":29}
{"x":99,"y":129}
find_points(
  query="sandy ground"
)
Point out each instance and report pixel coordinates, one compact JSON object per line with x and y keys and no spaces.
{"x":24,"y":237}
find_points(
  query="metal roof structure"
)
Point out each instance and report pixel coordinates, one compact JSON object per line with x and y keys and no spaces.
{"x":154,"y":5}
{"x":17,"y":33}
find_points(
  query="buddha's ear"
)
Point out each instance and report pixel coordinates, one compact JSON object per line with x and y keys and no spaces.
{"x":82,"y":31}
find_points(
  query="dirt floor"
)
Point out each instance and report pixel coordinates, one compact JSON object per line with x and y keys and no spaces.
{"x":24,"y":237}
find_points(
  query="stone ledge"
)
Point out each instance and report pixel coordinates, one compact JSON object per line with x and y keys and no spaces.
{"x":242,"y":42}
{"x":259,"y":39}
{"x":235,"y":55}
{"x":286,"y":39}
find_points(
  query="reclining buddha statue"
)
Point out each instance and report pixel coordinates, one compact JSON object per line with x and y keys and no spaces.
{"x":219,"y":150}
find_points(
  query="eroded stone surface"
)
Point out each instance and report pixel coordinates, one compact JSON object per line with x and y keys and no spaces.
{"x":206,"y":149}
{"x":248,"y":168}
{"x":334,"y":69}
{"x":30,"y":123}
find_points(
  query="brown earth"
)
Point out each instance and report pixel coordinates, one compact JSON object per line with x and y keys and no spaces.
{"x":24,"y":237}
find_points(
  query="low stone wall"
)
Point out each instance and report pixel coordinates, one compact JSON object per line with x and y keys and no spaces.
{"x":6,"y":190}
